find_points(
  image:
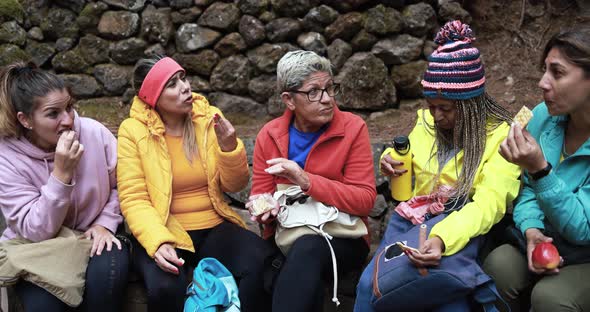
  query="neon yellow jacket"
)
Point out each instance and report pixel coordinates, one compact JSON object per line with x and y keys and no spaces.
{"x":494,"y":186}
{"x":144,"y":174}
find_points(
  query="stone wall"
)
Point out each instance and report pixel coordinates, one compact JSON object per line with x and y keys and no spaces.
{"x":229,"y":48}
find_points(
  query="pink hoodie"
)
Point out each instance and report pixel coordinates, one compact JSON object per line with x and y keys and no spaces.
{"x":35,"y":204}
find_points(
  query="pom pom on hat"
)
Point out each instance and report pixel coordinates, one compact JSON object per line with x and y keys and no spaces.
{"x":454,"y":31}
{"x":455,"y":70}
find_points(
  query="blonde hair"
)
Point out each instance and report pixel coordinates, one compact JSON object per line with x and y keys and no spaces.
{"x":189,"y":137}
{"x":475,"y":118}
{"x":21,"y":85}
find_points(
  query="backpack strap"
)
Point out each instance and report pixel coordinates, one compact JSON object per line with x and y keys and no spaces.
{"x":376,"y":291}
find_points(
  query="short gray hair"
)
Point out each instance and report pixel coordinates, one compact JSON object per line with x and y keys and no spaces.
{"x":296,"y":66}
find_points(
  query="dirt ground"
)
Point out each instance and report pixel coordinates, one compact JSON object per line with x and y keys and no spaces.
{"x":510,"y":43}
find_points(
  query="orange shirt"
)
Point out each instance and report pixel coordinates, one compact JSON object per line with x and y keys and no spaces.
{"x":190,"y":204}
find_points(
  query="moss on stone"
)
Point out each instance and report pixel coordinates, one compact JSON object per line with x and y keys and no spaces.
{"x":89,"y":11}
{"x":110,"y":111}
{"x":89,"y":17}
{"x":70,"y":61}
{"x":11,"y":10}
{"x":12,"y":53}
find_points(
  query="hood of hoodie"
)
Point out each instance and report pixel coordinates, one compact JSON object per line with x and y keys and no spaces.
{"x":24,"y":146}
{"x":145,"y":114}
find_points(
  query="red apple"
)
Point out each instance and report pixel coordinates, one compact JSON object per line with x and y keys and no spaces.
{"x":545,"y":256}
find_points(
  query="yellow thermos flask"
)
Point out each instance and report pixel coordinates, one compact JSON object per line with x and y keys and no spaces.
{"x":401,"y":186}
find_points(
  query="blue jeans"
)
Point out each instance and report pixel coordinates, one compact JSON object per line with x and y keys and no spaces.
{"x":106,"y":282}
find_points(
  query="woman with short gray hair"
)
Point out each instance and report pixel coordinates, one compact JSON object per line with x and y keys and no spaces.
{"x":327,"y":153}
{"x":296,"y":66}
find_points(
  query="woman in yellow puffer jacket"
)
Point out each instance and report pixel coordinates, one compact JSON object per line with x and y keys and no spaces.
{"x":176,"y":157}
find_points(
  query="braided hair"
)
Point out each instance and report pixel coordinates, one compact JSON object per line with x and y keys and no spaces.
{"x":475,"y":118}
{"x":455,"y":72}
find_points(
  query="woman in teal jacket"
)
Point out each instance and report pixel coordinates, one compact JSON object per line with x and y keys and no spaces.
{"x":554,"y":205}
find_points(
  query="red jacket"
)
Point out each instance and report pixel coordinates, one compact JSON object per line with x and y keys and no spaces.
{"x":339,"y":165}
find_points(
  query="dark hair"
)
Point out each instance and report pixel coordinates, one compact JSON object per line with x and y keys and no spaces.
{"x":574,"y":44}
{"x":21,"y":84}
{"x":142,"y":68}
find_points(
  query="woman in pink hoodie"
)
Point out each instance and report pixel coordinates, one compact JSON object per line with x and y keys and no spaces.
{"x":58,"y":170}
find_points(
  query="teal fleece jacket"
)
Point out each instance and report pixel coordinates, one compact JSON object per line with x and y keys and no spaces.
{"x":561,"y":198}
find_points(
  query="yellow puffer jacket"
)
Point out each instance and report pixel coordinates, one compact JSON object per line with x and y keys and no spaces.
{"x":495,"y":185}
{"x":144,"y":174}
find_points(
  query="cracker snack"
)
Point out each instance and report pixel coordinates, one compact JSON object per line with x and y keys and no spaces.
{"x":261,"y":205}
{"x":523,"y":116}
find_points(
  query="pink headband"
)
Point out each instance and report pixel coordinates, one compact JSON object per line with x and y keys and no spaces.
{"x":156,"y":79}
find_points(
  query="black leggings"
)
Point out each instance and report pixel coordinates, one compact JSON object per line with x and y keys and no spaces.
{"x":308,"y":265}
{"x":239,"y":250}
{"x":106,"y":282}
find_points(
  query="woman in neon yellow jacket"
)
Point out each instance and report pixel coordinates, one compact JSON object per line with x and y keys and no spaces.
{"x":455,"y":144}
{"x":176,"y":157}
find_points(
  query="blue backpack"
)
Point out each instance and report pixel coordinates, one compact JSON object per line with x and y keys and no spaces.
{"x":398,"y":285}
{"x":213,"y":289}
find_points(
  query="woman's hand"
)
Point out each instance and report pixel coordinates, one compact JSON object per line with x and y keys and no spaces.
{"x":266,"y":217}
{"x":290,"y":170}
{"x":533,"y":237}
{"x":67,"y":156}
{"x":167,"y":259}
{"x":430,"y":254}
{"x":226,"y":134}
{"x":388,"y":164}
{"x":521,"y":148}
{"x":101,"y":237}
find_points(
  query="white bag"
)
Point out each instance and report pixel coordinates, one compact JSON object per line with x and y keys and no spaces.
{"x":301,"y":215}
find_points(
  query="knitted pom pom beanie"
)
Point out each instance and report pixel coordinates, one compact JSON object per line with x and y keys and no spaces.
{"x":455,"y":70}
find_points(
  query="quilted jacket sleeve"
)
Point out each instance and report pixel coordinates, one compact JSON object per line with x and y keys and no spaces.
{"x":144,"y":221}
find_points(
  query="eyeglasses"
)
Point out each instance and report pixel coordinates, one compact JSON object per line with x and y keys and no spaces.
{"x":315,"y":95}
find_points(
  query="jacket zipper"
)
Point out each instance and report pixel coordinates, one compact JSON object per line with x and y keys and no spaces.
{"x":163,"y":145}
